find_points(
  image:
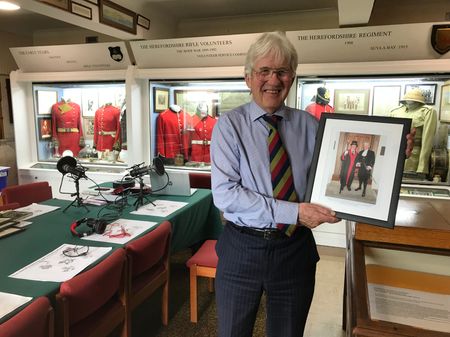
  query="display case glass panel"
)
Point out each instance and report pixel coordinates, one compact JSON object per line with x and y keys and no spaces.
{"x":83,"y":120}
{"x":417,"y":97}
{"x":183,"y":115}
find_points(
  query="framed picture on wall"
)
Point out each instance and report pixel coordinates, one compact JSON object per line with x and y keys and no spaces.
{"x":116,"y":16}
{"x":81,"y":10}
{"x":45,"y":99}
{"x":63,"y":4}
{"x":88,"y":127}
{"x":89,"y":100}
{"x":357,"y":166}
{"x":45,"y":128}
{"x":160,"y":99}
{"x":444,"y":111}
{"x":143,"y":21}
{"x":352,"y":101}
{"x":428,"y":91}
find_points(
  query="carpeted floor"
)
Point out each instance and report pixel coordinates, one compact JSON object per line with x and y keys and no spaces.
{"x":324,"y":320}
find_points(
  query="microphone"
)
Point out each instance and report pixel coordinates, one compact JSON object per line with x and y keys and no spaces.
{"x":140,"y":171}
{"x":68,"y":164}
{"x":158,"y":166}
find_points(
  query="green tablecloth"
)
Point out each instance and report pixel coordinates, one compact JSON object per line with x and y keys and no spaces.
{"x":197,"y":221}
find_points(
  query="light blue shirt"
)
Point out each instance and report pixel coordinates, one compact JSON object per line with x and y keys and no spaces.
{"x":240,"y":164}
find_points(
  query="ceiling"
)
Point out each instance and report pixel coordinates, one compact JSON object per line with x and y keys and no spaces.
{"x":24,"y":22}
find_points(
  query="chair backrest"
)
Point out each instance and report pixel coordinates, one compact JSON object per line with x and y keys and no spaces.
{"x":12,"y":205}
{"x":36,"y":320}
{"x":93,"y":294}
{"x":27,"y":194}
{"x":150,"y":250}
{"x":200,"y":180}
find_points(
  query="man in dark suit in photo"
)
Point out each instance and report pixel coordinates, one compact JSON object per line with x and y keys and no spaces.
{"x":365,"y":161}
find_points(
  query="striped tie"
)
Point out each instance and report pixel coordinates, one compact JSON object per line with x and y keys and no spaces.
{"x":280,"y":169}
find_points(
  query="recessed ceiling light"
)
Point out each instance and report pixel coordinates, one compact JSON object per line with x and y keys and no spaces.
{"x":8,"y":6}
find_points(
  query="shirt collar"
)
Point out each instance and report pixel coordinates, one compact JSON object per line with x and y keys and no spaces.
{"x":257,"y":112}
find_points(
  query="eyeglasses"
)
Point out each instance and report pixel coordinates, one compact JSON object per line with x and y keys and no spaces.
{"x":76,"y":251}
{"x":263,"y":74}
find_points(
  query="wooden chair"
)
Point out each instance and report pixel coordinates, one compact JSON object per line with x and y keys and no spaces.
{"x":148,"y":259}
{"x":203,"y":263}
{"x":200,"y":180}
{"x":93,"y":303}
{"x":12,"y":205}
{"x":36,"y":319}
{"x":27,"y":194}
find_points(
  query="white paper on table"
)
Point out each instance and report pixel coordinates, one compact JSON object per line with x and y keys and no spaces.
{"x":10,"y":302}
{"x":22,"y":224}
{"x":36,"y":209}
{"x":161,"y":208}
{"x":56,"y":267}
{"x":121,"y":231}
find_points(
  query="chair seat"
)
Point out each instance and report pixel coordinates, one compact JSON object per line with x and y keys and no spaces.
{"x":206,"y":256}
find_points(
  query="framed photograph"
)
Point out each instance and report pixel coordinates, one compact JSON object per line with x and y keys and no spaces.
{"x":45,"y":99}
{"x":444,"y":111}
{"x":352,"y":101}
{"x":357,"y":166}
{"x":88,"y":127}
{"x":81,"y":10}
{"x":63,"y":4}
{"x":385,"y":98}
{"x":116,"y":16}
{"x":143,"y":21}
{"x":45,"y":128}
{"x":160,"y":99}
{"x":428,"y":91}
{"x":89,"y":102}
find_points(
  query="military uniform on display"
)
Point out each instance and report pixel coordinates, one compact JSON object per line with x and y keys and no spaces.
{"x":320,"y":104}
{"x":107,"y":128}
{"x":424,"y":120}
{"x":66,"y":127}
{"x":201,"y":139}
{"x":171,"y":136}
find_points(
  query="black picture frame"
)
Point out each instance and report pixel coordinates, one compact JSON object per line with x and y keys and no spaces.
{"x":143,"y":21}
{"x":428,"y":91}
{"x":81,"y":10}
{"x":386,"y":137}
{"x":116,"y":16}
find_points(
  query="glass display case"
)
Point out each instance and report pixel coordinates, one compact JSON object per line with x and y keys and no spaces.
{"x":423,"y":98}
{"x":183,"y":114}
{"x":82,"y":120}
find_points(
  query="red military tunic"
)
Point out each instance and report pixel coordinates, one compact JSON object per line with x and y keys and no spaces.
{"x":107,"y":128}
{"x":316,"y":109}
{"x":171,"y":135}
{"x":66,"y":127}
{"x":201,"y":139}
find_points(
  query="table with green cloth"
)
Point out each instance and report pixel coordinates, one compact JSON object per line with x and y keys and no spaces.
{"x":197,"y":221}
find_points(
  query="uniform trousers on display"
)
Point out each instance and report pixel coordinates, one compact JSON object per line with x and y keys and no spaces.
{"x":284,"y":268}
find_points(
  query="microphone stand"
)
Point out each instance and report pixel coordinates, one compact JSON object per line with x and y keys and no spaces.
{"x":140,"y":198}
{"x":78,"y":199}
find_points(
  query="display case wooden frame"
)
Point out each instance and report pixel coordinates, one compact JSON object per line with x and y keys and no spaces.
{"x":387,"y":138}
{"x":116,"y":16}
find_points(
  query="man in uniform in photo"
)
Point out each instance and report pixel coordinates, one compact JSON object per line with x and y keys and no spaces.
{"x":364,"y":162}
{"x":348,"y":159}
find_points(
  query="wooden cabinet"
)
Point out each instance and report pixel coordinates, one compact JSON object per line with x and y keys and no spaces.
{"x":418,"y":246}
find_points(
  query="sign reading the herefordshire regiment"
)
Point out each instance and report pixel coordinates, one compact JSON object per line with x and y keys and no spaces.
{"x":209,"y":51}
{"x":362,"y":44}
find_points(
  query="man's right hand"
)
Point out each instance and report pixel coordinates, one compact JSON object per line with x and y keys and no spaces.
{"x":313,"y":215}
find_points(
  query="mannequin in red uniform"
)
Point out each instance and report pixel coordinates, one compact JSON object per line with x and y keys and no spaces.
{"x":66,"y":127}
{"x":201,"y":136}
{"x":171,"y":135}
{"x":320,"y":105}
{"x":107,"y":128}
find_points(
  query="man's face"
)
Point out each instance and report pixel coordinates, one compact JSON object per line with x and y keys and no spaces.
{"x":269,"y":92}
{"x":366,"y":146}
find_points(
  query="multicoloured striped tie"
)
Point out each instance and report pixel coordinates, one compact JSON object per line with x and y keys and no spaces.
{"x":280,"y":169}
